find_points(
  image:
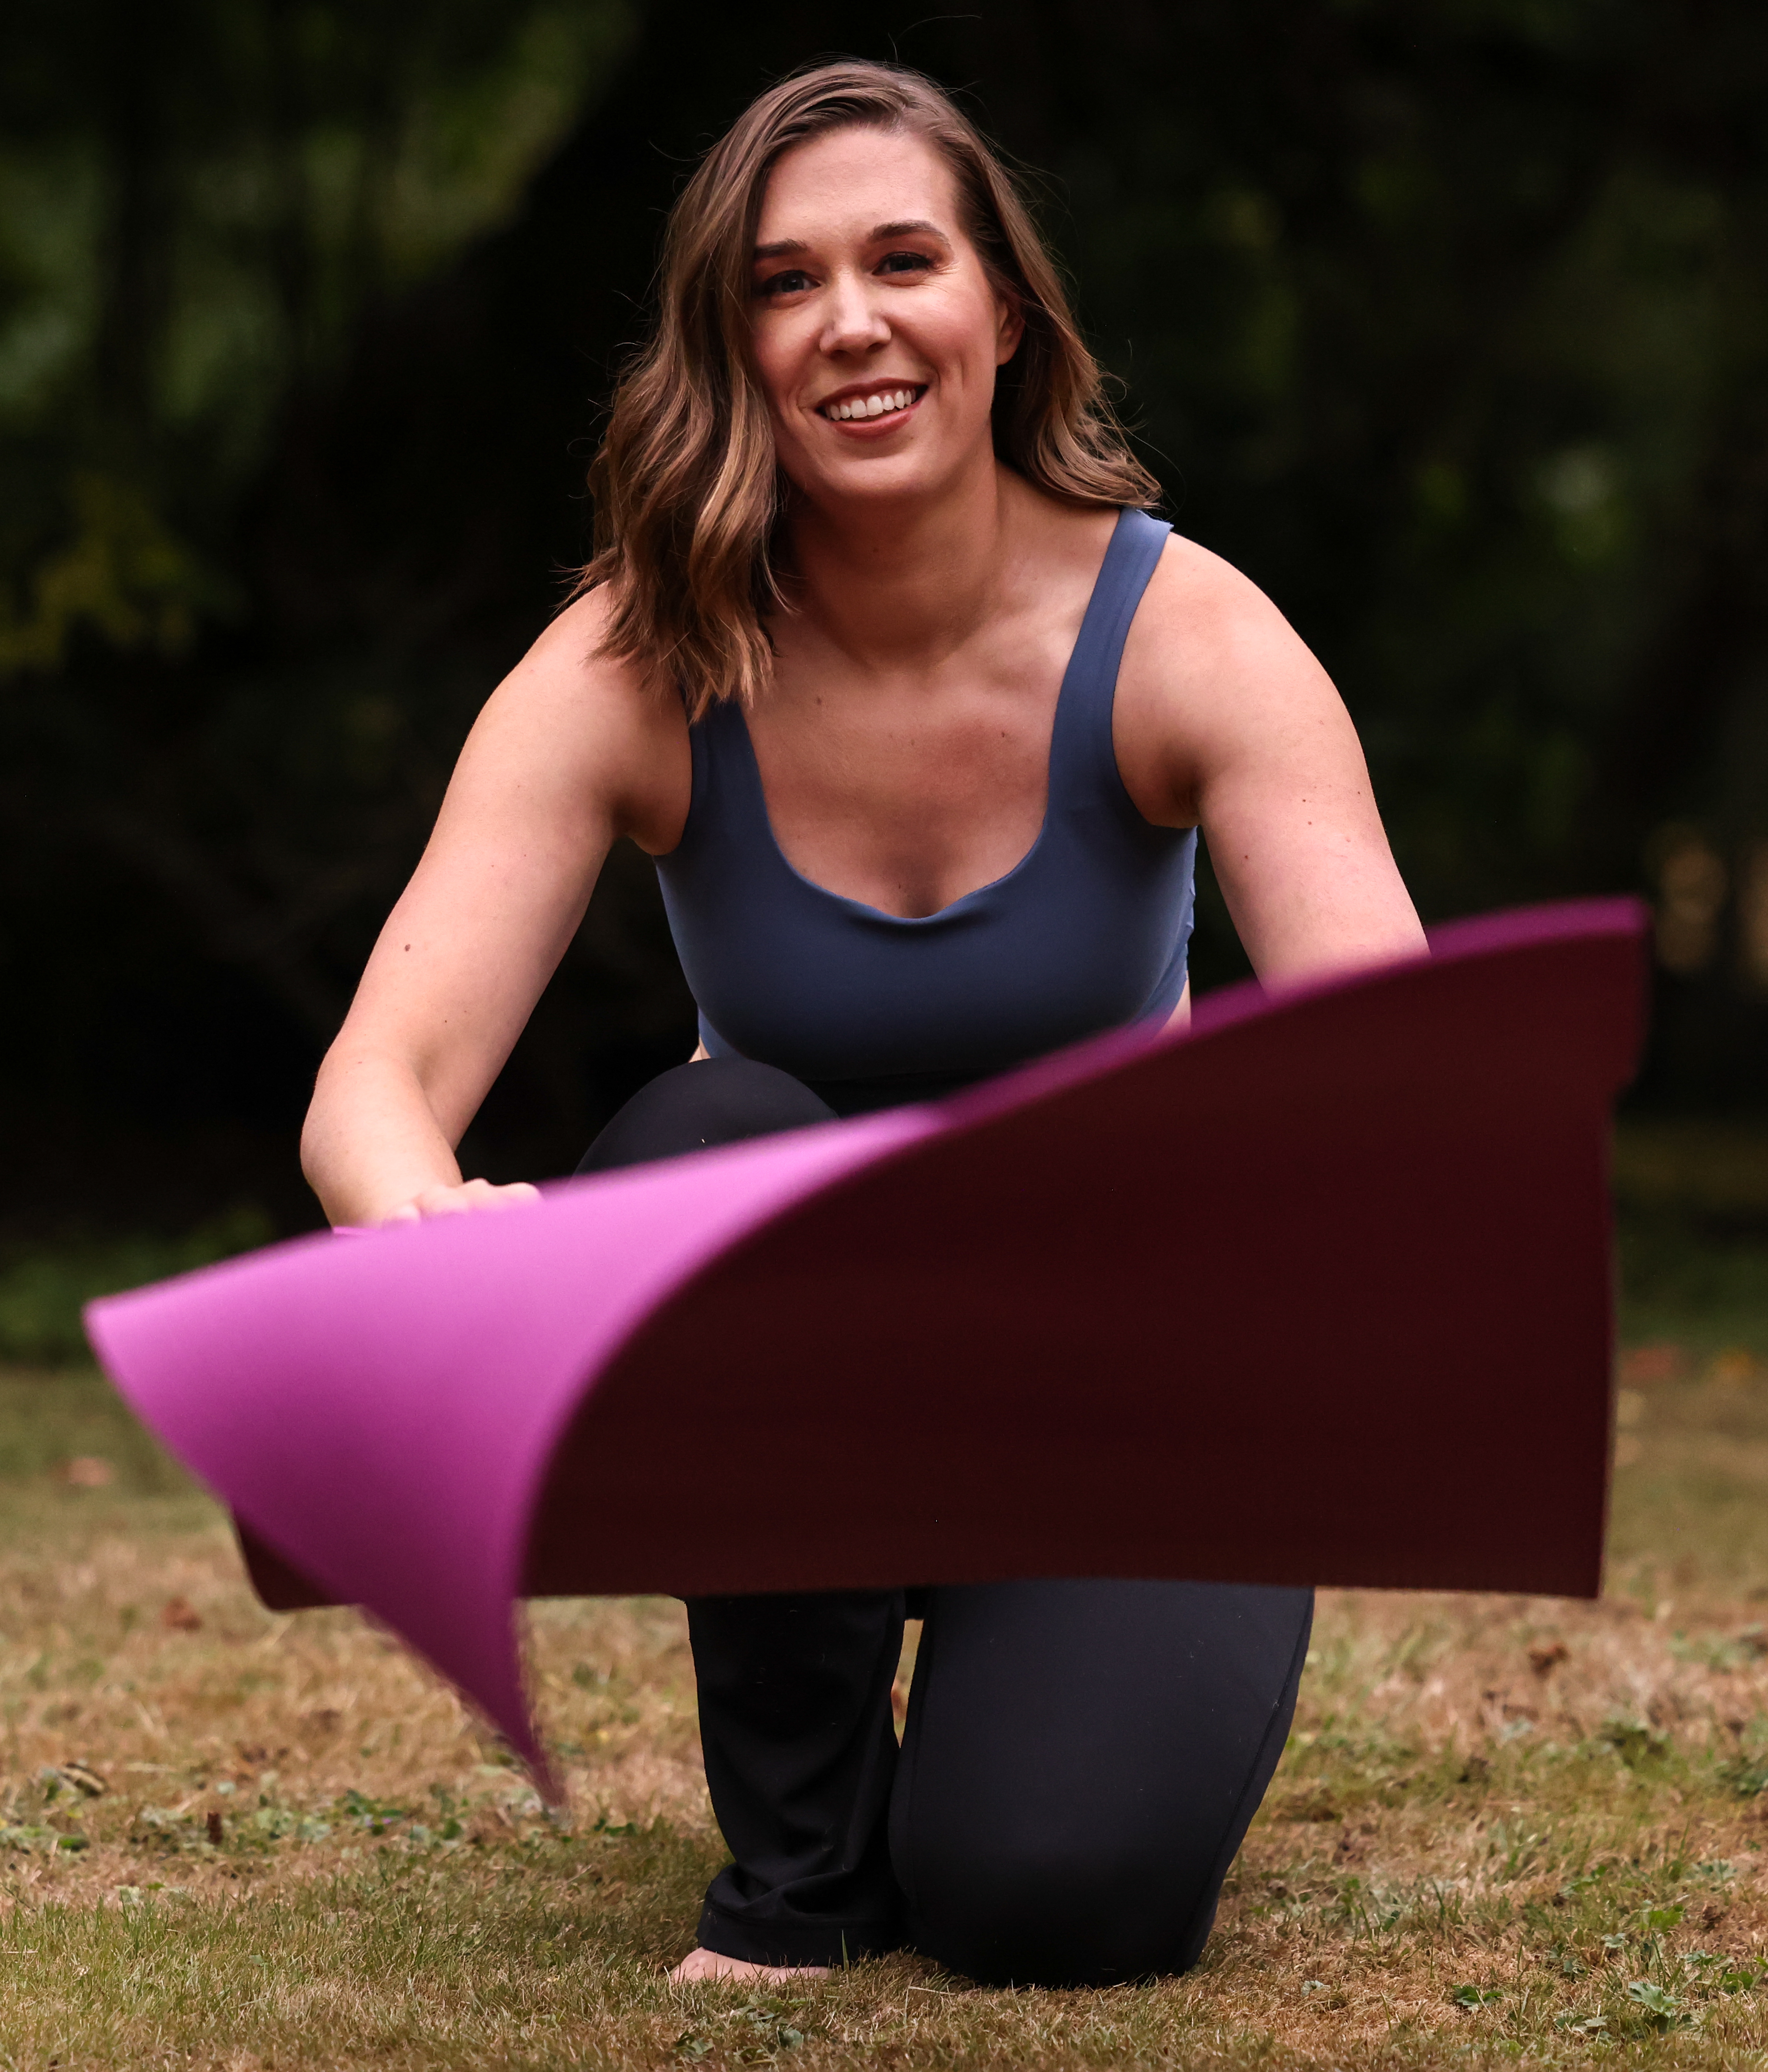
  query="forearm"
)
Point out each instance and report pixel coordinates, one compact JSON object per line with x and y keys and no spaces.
{"x":372,"y":1142}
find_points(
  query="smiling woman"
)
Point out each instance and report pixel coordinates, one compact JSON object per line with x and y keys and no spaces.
{"x":920,"y":711}
{"x":693,"y":468}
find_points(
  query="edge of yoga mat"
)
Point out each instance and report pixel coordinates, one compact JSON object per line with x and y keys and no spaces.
{"x":1370,"y":1213}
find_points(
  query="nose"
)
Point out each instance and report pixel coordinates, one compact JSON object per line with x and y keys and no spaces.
{"x":853,"y":322}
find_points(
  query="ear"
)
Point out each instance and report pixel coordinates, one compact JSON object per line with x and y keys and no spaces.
{"x":1010,"y":322}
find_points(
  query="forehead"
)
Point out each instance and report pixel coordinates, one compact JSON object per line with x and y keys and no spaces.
{"x":840,"y":186}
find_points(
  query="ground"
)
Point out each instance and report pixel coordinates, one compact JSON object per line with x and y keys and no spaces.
{"x":1505,"y":1829}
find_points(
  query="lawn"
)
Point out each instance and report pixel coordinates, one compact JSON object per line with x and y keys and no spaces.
{"x":1505,"y":1828}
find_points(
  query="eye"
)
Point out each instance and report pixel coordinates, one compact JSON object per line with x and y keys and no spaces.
{"x":905,"y":262}
{"x":792,"y":282}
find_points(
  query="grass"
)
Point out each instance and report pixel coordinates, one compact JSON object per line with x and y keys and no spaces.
{"x":1505,"y":1829}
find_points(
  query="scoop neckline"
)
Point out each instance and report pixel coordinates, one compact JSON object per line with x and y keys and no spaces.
{"x":994,"y":884}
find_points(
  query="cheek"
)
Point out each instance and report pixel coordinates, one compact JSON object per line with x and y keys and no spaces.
{"x":769,"y":377}
{"x":963,"y":336}
{"x":778,"y":358}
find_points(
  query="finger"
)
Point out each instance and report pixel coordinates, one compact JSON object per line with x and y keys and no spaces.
{"x":515,"y":1194}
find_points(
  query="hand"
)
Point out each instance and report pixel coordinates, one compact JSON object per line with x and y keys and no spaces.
{"x":442,"y":1200}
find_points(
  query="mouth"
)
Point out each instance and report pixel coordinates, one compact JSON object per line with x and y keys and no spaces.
{"x":886,"y":404}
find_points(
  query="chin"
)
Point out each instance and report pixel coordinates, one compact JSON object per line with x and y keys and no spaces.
{"x":885,"y":479}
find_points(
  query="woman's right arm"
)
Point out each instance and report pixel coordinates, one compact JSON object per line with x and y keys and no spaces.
{"x":570,"y":752}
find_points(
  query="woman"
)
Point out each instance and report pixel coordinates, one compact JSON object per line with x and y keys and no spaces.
{"x":881,"y":657}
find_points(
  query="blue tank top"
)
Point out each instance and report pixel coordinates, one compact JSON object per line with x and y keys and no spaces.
{"x":1086,"y":932}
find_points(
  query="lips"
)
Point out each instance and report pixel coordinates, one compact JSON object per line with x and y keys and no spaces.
{"x":873,"y":406}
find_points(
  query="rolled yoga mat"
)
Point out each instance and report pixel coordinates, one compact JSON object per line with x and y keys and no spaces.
{"x":1317,"y":1291}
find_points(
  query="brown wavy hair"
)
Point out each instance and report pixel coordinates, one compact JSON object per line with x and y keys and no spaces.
{"x":687,"y":485}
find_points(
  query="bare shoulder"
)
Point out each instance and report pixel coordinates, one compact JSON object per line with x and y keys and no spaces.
{"x":1211,"y":670}
{"x":566,"y":678}
{"x":1200,"y":616}
{"x":582,"y":725}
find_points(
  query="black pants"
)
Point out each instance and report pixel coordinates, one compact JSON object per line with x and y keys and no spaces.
{"x":1081,"y":1759}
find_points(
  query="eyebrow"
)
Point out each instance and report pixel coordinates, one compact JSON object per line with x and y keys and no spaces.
{"x":788,"y":247}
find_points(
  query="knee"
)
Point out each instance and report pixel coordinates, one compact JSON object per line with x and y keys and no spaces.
{"x":694,"y":1106}
{"x":1055,"y":1911}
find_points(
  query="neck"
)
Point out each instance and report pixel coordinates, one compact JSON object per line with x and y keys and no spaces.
{"x":897,"y":585}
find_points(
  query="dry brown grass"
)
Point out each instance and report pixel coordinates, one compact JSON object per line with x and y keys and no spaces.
{"x":305,"y":1853}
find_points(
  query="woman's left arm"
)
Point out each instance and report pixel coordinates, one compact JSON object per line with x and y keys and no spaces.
{"x":1225,"y":721}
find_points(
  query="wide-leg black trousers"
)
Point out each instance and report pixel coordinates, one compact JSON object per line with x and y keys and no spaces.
{"x":1080,"y":1761}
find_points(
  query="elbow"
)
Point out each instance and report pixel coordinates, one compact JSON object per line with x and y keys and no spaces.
{"x":316,"y":1135}
{"x":324,"y":1124}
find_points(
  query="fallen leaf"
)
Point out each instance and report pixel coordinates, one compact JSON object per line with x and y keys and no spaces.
{"x":180,"y":1616}
{"x":87,"y":1471}
{"x":1544,"y":1660}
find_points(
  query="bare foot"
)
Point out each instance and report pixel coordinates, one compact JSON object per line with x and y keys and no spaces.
{"x":708,"y":1964}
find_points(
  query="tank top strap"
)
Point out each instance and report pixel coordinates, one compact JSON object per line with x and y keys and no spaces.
{"x":727,"y":778}
{"x":1082,"y":760}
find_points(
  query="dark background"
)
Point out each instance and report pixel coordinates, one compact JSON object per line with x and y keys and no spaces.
{"x":1448,"y":323}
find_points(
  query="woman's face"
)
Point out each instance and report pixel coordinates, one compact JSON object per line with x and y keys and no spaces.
{"x":877,"y":331}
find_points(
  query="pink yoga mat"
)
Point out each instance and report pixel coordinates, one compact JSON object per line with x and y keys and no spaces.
{"x":1317,"y":1291}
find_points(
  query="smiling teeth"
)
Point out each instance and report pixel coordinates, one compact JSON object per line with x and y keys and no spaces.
{"x":871,"y":406}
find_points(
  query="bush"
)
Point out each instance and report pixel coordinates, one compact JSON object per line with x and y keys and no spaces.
{"x":42,"y":1293}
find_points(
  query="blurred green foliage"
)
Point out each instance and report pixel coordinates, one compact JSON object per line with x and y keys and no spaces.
{"x":197,"y":203}
{"x":1691,"y":1196}
{"x":1448,"y":324}
{"x":42,"y":1292}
